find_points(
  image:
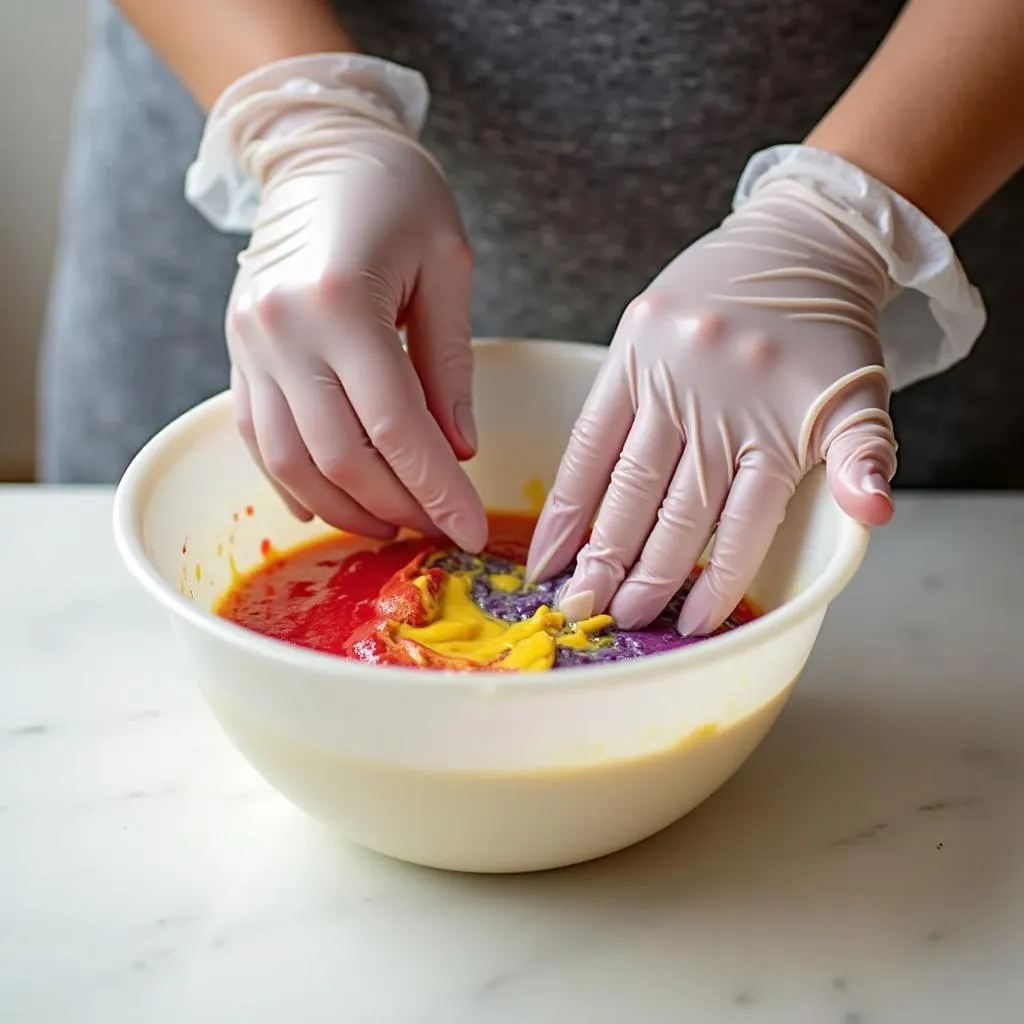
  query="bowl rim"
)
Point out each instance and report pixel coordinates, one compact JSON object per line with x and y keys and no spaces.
{"x":127,"y":522}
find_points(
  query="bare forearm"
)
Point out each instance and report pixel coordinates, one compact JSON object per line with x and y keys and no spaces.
{"x":210,"y":44}
{"x":938,"y":113}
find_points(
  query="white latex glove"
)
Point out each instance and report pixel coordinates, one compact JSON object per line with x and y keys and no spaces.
{"x":750,"y":358}
{"x":356,"y":236}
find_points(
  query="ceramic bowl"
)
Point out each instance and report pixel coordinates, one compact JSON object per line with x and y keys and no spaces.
{"x":490,"y":772}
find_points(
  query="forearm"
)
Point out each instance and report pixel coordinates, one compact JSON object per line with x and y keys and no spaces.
{"x":938,"y":113}
{"x":209,"y":45}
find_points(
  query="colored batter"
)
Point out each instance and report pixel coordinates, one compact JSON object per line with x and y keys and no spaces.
{"x":418,"y":603}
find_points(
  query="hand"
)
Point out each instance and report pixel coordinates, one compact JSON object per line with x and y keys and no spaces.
{"x":750,"y":358}
{"x":356,"y":236}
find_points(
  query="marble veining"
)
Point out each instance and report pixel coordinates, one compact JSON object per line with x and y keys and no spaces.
{"x":866,"y":866}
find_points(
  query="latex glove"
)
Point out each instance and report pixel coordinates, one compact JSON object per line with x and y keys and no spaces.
{"x":753,"y":356}
{"x":356,"y":235}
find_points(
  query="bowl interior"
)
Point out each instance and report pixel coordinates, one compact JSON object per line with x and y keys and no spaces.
{"x":204,"y":513}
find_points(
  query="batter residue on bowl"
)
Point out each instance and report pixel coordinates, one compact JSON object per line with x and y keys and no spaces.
{"x":418,"y":603}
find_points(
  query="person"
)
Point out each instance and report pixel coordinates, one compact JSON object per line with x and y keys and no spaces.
{"x":578,"y":159}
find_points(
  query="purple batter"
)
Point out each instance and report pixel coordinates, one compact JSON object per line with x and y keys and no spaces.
{"x":521,"y":604}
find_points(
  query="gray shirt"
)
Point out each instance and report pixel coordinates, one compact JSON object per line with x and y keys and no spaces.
{"x":587,"y":144}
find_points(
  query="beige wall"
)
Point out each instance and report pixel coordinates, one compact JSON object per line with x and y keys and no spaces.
{"x":41,"y":48}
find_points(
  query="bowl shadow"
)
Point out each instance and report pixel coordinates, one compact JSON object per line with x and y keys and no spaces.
{"x":885,"y":812}
{"x":860,"y":833}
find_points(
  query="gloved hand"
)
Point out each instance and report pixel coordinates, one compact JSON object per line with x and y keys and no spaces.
{"x":356,"y":235}
{"x":753,"y":356}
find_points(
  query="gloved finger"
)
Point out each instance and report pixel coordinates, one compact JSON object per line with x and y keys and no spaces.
{"x":341,"y":451}
{"x":287,"y":461}
{"x":860,"y":461}
{"x":638,"y":484}
{"x":438,"y":331}
{"x":856,"y":441}
{"x":753,"y":511}
{"x":244,"y":421}
{"x":583,"y":474}
{"x":685,"y":523}
{"x":388,"y":399}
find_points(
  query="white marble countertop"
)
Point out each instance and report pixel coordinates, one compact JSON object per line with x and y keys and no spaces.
{"x":866,"y":865}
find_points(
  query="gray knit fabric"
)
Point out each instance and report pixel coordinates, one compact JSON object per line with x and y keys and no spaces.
{"x":587,"y":143}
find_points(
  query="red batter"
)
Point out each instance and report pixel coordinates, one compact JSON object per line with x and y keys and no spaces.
{"x":338,"y":596}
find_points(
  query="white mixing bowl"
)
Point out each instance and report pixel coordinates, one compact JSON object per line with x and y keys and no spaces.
{"x":490,"y":772}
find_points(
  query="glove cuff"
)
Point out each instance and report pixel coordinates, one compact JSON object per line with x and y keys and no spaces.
{"x":218,"y":184}
{"x":937,"y":316}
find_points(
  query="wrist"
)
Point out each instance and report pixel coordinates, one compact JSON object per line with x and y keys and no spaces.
{"x":921,"y":182}
{"x":937,"y":317}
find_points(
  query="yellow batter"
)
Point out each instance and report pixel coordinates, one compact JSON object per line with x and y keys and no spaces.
{"x":458,"y":627}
